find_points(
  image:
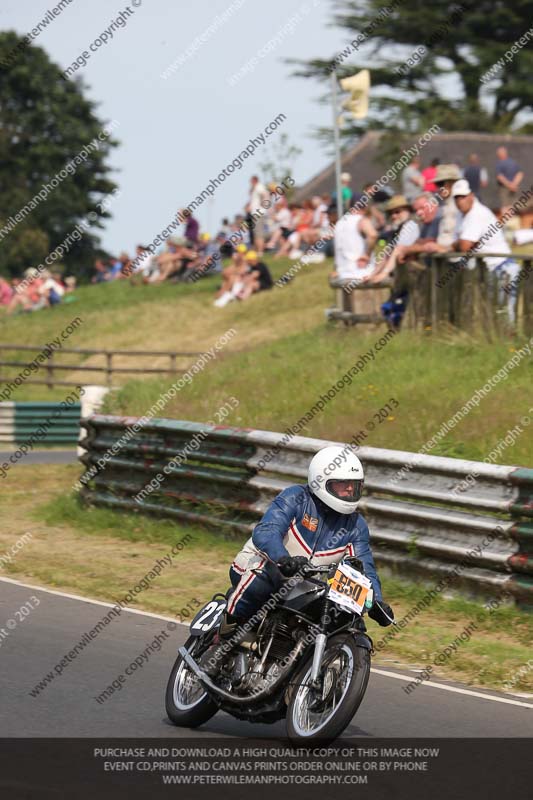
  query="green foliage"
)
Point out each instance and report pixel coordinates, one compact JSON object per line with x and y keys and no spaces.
{"x":45,"y":121}
{"x":456,"y":45}
{"x":279,"y":161}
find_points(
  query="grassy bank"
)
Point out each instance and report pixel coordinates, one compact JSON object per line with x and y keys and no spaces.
{"x":277,"y":382}
{"x":284,"y":355}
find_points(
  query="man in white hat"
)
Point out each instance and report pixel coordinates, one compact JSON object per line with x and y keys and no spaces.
{"x":481,"y":232}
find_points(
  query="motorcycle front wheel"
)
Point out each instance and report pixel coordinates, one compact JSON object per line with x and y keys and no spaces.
{"x":187,"y":703}
{"x":321,"y":716}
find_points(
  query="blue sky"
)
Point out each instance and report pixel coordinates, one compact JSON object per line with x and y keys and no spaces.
{"x":179,"y":132}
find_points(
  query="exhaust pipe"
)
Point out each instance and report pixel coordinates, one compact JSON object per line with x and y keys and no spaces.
{"x":236,"y":698}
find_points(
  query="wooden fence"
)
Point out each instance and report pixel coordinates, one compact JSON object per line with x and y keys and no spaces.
{"x":442,"y":293}
{"x":52,"y":365}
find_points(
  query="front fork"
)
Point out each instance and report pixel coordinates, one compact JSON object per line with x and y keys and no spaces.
{"x":320,"y":645}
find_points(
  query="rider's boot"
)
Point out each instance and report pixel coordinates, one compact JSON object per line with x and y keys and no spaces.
{"x":232,"y":631}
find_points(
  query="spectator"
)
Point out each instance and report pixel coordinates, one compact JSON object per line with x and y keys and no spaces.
{"x":51,"y":289}
{"x":476,"y":175}
{"x":6,"y":292}
{"x":258,"y":195}
{"x":282,"y":224}
{"x":256,"y":279}
{"x":232,"y":277}
{"x":447,"y":175}
{"x":412,"y":180}
{"x":102,"y":271}
{"x":406,"y":232}
{"x":354,"y":240}
{"x":509,"y":176}
{"x":192,"y":227}
{"x":301,"y":221}
{"x":119,"y":267}
{"x":479,"y":233}
{"x":146,"y":268}
{"x":208,"y":257}
{"x":225,"y":228}
{"x":429,"y":176}
{"x":428,"y":213}
{"x":169,"y":261}
{"x":375,"y":198}
{"x":29,"y":298}
{"x":225,"y":246}
{"x":346,"y":192}
{"x":70,"y":285}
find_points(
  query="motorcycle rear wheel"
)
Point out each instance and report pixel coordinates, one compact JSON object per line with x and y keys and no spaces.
{"x":345,"y":671}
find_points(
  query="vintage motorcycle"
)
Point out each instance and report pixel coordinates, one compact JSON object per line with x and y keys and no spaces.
{"x":306,"y":658}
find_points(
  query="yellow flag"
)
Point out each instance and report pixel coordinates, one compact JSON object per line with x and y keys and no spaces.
{"x":359,"y":87}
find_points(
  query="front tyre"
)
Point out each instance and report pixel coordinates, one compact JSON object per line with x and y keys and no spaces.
{"x":186,"y":701}
{"x":322,"y":716}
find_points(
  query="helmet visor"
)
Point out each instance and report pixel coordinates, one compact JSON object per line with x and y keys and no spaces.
{"x":348,"y":490}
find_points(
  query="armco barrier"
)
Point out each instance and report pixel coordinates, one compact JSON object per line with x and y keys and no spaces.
{"x":19,"y":421}
{"x":418,"y":528}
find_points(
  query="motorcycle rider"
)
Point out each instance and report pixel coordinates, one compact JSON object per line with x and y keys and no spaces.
{"x":317,"y":523}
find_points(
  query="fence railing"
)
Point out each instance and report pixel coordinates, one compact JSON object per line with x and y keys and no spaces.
{"x":482,"y":537}
{"x":442,"y":291}
{"x":53,"y":365}
{"x":49,"y":423}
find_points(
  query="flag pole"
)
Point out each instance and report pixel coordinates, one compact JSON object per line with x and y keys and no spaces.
{"x":337,"y":143}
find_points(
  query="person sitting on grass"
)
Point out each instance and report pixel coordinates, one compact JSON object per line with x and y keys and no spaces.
{"x":52,"y":288}
{"x":29,"y":298}
{"x":257,"y":279}
{"x":232,"y":277}
{"x":179,"y":254}
{"x":6,"y":293}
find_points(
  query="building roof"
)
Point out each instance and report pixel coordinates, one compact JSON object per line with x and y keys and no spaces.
{"x":365,"y":164}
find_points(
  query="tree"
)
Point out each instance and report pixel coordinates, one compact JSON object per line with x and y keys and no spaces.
{"x":279,"y":161}
{"x":50,"y":137}
{"x":427,"y":62}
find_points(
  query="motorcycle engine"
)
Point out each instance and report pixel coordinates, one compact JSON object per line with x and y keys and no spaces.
{"x":274,"y":643}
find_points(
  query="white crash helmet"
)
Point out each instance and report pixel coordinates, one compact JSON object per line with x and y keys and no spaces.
{"x":331,"y":464}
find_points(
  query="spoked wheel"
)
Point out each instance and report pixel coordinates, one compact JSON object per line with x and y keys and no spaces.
{"x":321,"y":716}
{"x":187,"y":703}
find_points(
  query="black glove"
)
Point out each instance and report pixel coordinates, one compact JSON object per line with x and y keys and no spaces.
{"x":289,"y":565}
{"x":379,"y":613}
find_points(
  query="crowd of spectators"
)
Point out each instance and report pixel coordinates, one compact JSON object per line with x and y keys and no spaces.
{"x":269,"y":223}
{"x":381,"y":232}
{"x":439,"y":210}
{"x":35,"y":290}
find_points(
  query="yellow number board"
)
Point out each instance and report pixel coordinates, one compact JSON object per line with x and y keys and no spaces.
{"x":349,"y":588}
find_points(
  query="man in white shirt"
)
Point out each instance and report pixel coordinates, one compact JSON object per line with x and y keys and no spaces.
{"x":480,"y":232}
{"x":258,"y":197}
{"x":354,"y":239}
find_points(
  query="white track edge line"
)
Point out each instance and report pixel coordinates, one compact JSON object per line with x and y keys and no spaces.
{"x":455,"y":689}
{"x":169,"y":619}
{"x":88,"y":600}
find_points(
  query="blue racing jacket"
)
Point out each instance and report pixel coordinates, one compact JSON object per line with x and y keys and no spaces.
{"x":299,"y":524}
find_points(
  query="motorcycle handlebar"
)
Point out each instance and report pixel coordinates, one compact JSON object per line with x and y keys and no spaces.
{"x":309,"y":569}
